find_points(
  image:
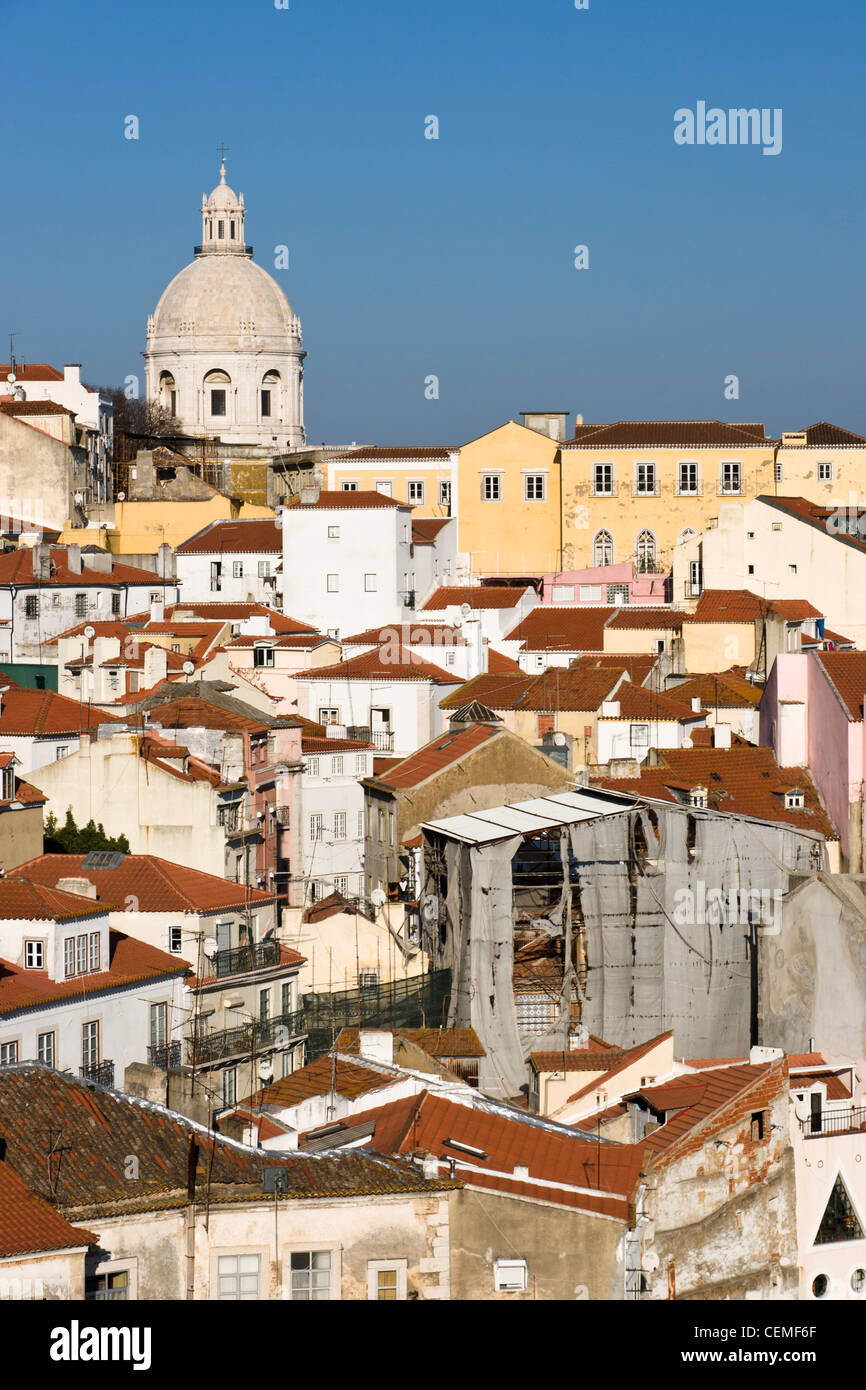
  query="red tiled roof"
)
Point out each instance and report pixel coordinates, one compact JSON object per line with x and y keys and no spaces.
{"x":640,"y":618}
{"x":636,"y":665}
{"x":348,"y":502}
{"x":16,"y":567}
{"x":349,"y":1079}
{"x":443,"y":751}
{"x":625,"y":1057}
{"x":425,"y":529}
{"x":34,"y":408}
{"x":376,"y":665}
{"x":25,"y":794}
{"x":577,"y":1059}
{"x":311,"y":744}
{"x":478,"y":596}
{"x":636,"y":702}
{"x":130,"y":960}
{"x":427,"y":1121}
{"x":836,"y":1088}
{"x":193,"y":712}
{"x":553,"y":629}
{"x":37,"y":712}
{"x":498,"y":664}
{"x":846,"y":672}
{"x":437,"y":1042}
{"x":670,"y":434}
{"x":497,"y":691}
{"x":32,"y":371}
{"x":158,"y":885}
{"x":826,"y":436}
{"x":744,"y":781}
{"x":378,"y":452}
{"x":262,"y":535}
{"x":235,"y":613}
{"x":408,"y":635}
{"x":164,"y":755}
{"x":28,"y":1225}
{"x":723,"y":690}
{"x":695,"y":1099}
{"x":26,"y":899}
{"x":742,"y":606}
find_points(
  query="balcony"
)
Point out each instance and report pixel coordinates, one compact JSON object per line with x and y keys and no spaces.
{"x":248,"y":1040}
{"x":242,"y":959}
{"x":382,"y":739}
{"x":166,"y":1057}
{"x":826,"y":1123}
{"x":100,"y":1072}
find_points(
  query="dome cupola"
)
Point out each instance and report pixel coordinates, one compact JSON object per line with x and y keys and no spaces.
{"x":222,"y":221}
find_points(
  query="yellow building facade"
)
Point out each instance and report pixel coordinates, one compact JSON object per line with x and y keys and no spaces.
{"x":420,"y":475}
{"x":509,"y":505}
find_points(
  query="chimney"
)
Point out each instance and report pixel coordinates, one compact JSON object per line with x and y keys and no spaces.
{"x":155,"y":666}
{"x":73,"y":559}
{"x":72,"y":374}
{"x":80,"y":886}
{"x":722,"y":736}
{"x":41,"y":561}
{"x":377,"y":1044}
{"x":310,"y":494}
{"x":578,"y":419}
{"x":157,"y":609}
{"x":696,"y":704}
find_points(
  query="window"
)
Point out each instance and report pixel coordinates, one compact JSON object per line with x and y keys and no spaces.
{"x":602,"y":549}
{"x":333,"y":583}
{"x":286,"y":999}
{"x":368,"y":979}
{"x":339,"y":825}
{"x":777,"y":472}
{"x":794,"y":800}
{"x":329,"y":714}
{"x":858,"y":1281}
{"x":89,"y":1045}
{"x":112,"y":1285}
{"x":445,"y":494}
{"x":450,"y":658}
{"x":590,"y":593}
{"x":534,"y":487}
{"x":349,"y":487}
{"x":8,"y":1053}
{"x":387,"y":1279}
{"x":263,"y":656}
{"x":45,"y":1049}
{"x":316,"y":826}
{"x":385,"y":486}
{"x":337,"y":766}
{"x":81,"y":955}
{"x":645,"y":552}
{"x":31,"y":606}
{"x":757,"y":1126}
{"x":510,"y":1275}
{"x":563,"y":593}
{"x":312,"y":767}
{"x":840,"y":1220}
{"x":95,"y":952}
{"x":230,"y":1086}
{"x":820,"y":1285}
{"x":731,"y":477}
{"x":266,"y":402}
{"x":311,"y":1274}
{"x":645,"y":479}
{"x":639,"y":735}
{"x":415,"y":491}
{"x":69,"y":956}
{"x":34,"y":955}
{"x":221,"y":228}
{"x":238,"y":1277}
{"x":237,"y":569}
{"x":825,"y":472}
{"x":81,"y":605}
{"x":360,"y":825}
{"x":602,"y":479}
{"x":333,"y":533}
{"x":360,"y":764}
{"x":175,"y":939}
{"x":115,"y":605}
{"x":264,"y":1005}
{"x":369,"y":583}
{"x":381,"y":820}
{"x":218,"y":400}
{"x":216,"y":571}
{"x":491,"y":487}
{"x":694,"y":578}
{"x":264,"y":569}
{"x":688,"y":479}
{"x":158,"y":1022}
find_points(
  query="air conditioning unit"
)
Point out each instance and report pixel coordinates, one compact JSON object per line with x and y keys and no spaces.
{"x":510,"y":1276}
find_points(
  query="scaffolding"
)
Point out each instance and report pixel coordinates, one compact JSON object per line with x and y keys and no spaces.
{"x":418,"y":1002}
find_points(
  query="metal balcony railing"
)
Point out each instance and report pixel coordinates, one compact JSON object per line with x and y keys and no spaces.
{"x":168,"y":1057}
{"x":102,"y":1072}
{"x":382,"y":739}
{"x":248,"y":1040}
{"x":242,"y":959}
{"x":829,"y":1122}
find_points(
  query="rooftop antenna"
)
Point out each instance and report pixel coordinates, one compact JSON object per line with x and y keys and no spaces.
{"x":12,"y":364}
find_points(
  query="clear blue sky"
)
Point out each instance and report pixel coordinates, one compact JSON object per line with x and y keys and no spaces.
{"x":412,"y":257}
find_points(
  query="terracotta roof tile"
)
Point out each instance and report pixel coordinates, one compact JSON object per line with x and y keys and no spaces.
{"x":696,"y":1099}
{"x":31,"y":371}
{"x":377,"y":665}
{"x":437,"y":1042}
{"x":478,"y":596}
{"x":352,"y":1079}
{"x":16,"y":567}
{"x":376,"y":453}
{"x":157,"y":884}
{"x":34,"y":408}
{"x":671,"y":434}
{"x":408,"y":635}
{"x":499,"y":664}
{"x":641,"y":618}
{"x":826,"y":436}
{"x":348,"y":502}
{"x":497,"y":691}
{"x":28,"y":1225}
{"x":443,"y":751}
{"x":554,"y":629}
{"x":846,"y":672}
{"x":262,"y":535}
{"x":235,"y":613}
{"x":37,"y":712}
{"x":130,"y":960}
{"x":742,"y":606}
{"x":723,"y":690}
{"x":636,"y":702}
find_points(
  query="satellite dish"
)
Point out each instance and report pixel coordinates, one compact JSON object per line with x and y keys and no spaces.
{"x":378,"y":897}
{"x":11,"y":378}
{"x":559,"y":740}
{"x":121,"y":497}
{"x":430,"y":907}
{"x":458,"y":623}
{"x":266,"y":1069}
{"x":90,"y":630}
{"x":465,"y":610}
{"x":188,"y":668}
{"x":209,"y":946}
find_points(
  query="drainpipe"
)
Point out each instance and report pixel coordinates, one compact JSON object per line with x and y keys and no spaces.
{"x":192,"y":1162}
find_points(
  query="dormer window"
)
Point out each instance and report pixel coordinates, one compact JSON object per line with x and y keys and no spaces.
{"x":34,"y":955}
{"x":263,"y":655}
{"x":794,"y":799}
{"x":698,"y":797}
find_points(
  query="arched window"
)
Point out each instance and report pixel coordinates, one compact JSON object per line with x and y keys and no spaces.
{"x":645,"y":552}
{"x":270,"y":386}
{"x":168,"y":392}
{"x":216,"y":393}
{"x":602,"y":548}
{"x":686,"y":535}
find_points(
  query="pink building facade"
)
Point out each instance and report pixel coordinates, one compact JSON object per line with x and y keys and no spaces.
{"x":605,"y":584}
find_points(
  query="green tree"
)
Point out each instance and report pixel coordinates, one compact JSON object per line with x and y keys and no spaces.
{"x":69,"y":839}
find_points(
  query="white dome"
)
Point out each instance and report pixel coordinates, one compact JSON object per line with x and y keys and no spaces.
{"x":224,"y":298}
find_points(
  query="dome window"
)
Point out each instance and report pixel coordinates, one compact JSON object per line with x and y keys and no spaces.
{"x":221,"y":230}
